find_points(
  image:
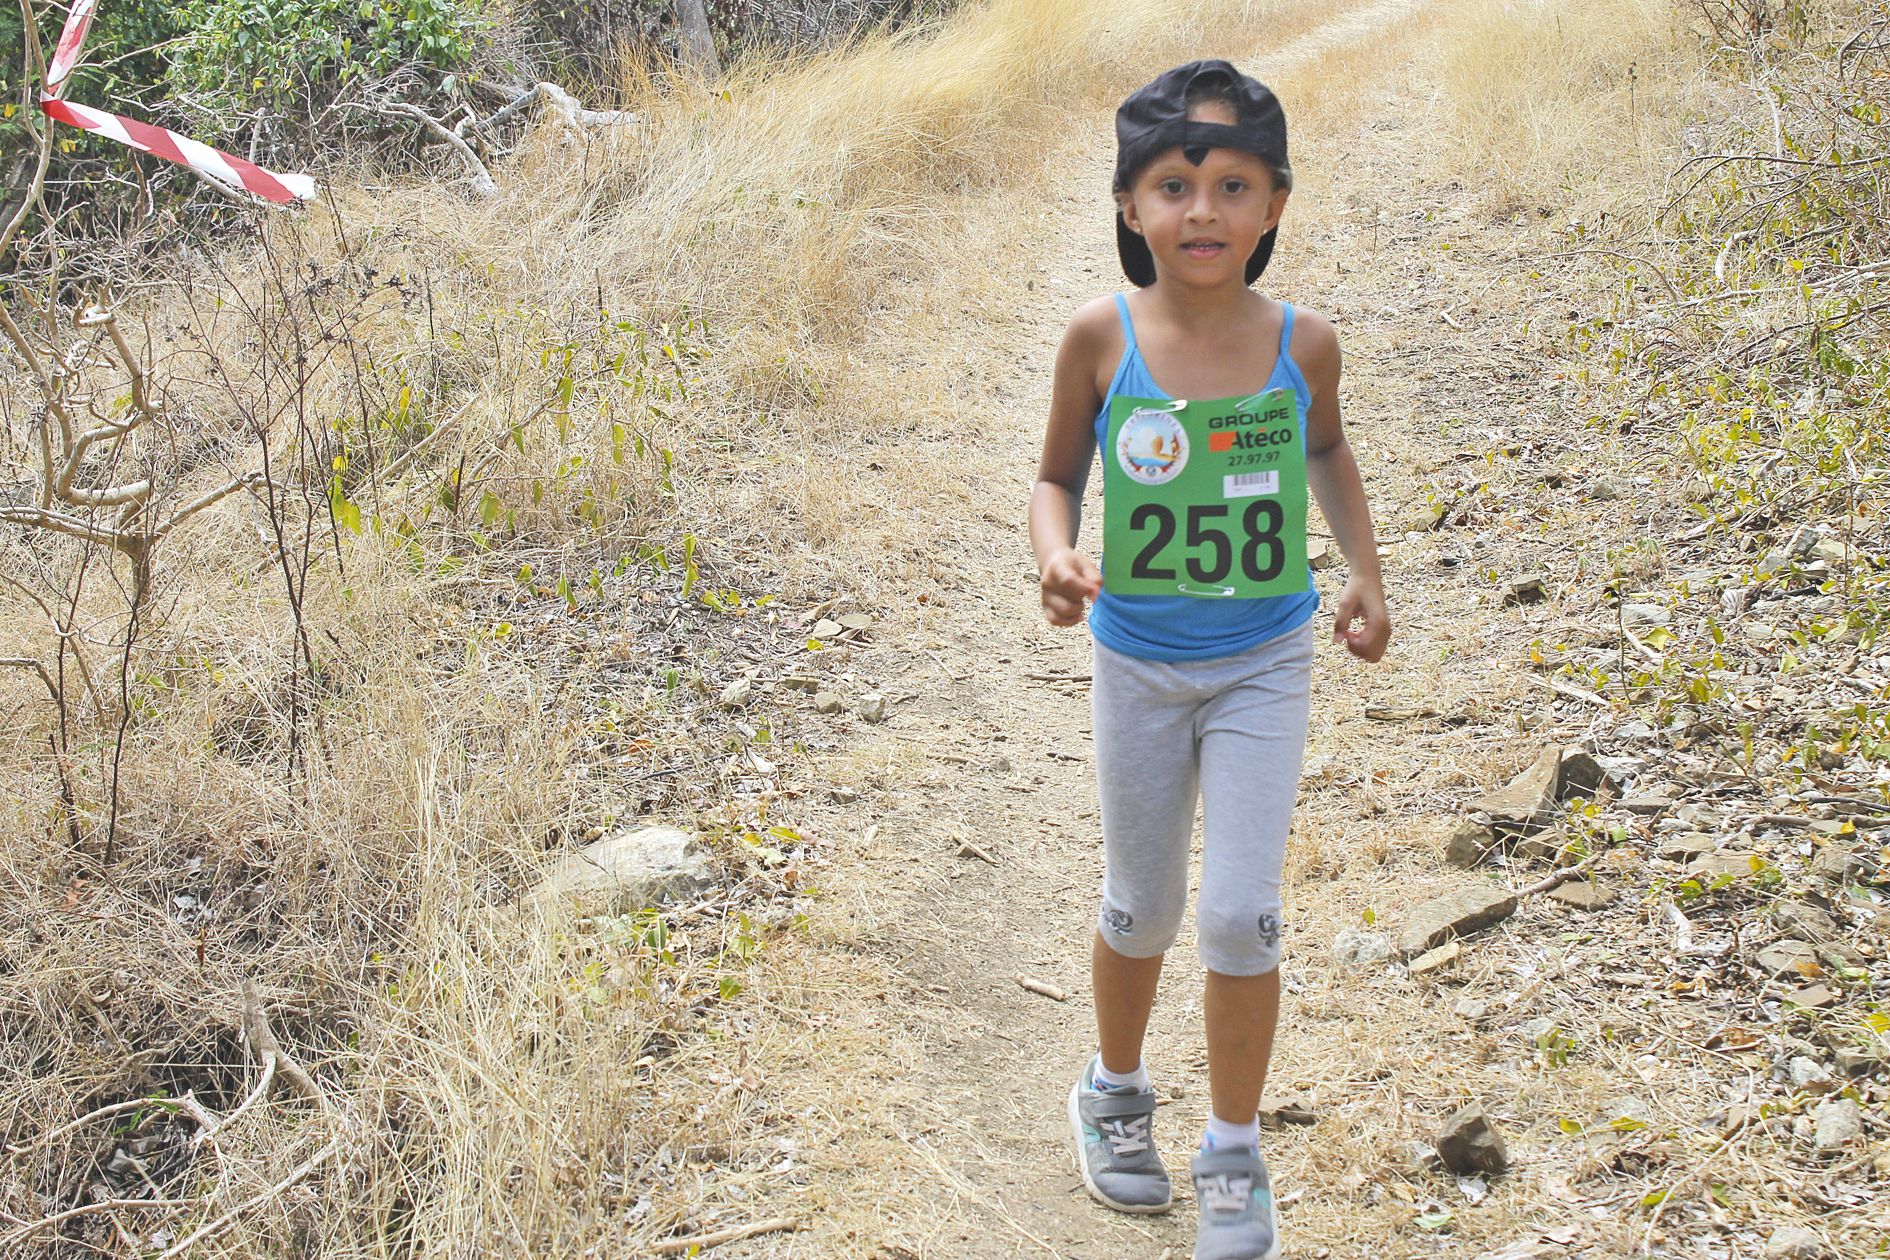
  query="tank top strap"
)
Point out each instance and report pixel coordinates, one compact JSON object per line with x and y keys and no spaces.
{"x":1128,"y":325}
{"x":1286,"y":331}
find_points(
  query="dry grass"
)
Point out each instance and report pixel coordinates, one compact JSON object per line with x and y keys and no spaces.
{"x":494,"y":1079}
{"x":1545,"y":97}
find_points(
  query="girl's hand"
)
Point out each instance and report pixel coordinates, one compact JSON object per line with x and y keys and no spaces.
{"x":1069,"y":578}
{"x":1362,"y":600}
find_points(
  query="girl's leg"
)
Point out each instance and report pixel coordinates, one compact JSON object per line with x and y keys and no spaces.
{"x":1147,"y":782}
{"x":1253,"y":737}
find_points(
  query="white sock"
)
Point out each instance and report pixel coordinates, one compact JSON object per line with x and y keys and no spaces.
{"x":1102,"y":1078}
{"x":1225,"y":1135}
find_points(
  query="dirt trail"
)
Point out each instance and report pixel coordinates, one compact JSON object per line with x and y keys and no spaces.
{"x":1002,"y":753}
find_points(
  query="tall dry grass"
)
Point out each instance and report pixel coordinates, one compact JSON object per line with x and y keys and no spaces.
{"x":637,"y":358}
{"x":1544,"y":96}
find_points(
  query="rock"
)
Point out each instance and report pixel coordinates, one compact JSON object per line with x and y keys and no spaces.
{"x":1434,"y":959}
{"x":873,"y":707}
{"x":1837,"y":862}
{"x":1278,"y":1112}
{"x":1685,"y":846}
{"x":1810,"y":1076}
{"x":1528,"y":797}
{"x":1524,"y":590}
{"x":1645,"y":616}
{"x":1428,"y":517}
{"x":737,"y":693}
{"x":1811,"y":997}
{"x":1584,"y":894}
{"x":827,"y":702}
{"x":1322,"y":555}
{"x":1788,"y":958}
{"x":1474,"y":1009}
{"x":1355,"y":947}
{"x":1456,"y":913}
{"x":1607,"y":488}
{"x":1470,"y":1143}
{"x":1710,"y":866}
{"x":1804,"y":920}
{"x":1580,"y":774}
{"x":1469,"y":842}
{"x":631,"y":870}
{"x":1832,"y":552}
{"x":1794,"y":1242}
{"x":1835,"y":1124}
{"x":1852,"y":1061}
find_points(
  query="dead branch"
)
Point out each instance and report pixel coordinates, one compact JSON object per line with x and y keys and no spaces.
{"x":308,"y":1166}
{"x":702,"y":1242}
{"x":262,"y":1041}
{"x":28,"y":662}
{"x":482,"y":180}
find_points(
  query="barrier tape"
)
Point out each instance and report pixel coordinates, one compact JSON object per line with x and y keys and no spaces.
{"x":160,"y":142}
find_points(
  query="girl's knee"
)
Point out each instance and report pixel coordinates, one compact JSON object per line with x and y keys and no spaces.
{"x":1239,"y":940}
{"x":1139,"y":933}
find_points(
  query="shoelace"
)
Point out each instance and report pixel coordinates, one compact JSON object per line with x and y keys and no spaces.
{"x":1226,"y":1194}
{"x":1127,"y":1137}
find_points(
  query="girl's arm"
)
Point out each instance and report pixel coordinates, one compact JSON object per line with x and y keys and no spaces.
{"x":1069,"y":444}
{"x":1334,"y":477}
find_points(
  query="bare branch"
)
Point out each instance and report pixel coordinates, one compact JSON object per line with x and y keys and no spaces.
{"x":482,"y":179}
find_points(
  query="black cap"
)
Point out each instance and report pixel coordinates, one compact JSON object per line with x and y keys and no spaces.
{"x":1155,"y":119}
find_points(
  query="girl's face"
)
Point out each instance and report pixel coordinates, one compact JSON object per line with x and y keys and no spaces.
{"x":1203,"y":222}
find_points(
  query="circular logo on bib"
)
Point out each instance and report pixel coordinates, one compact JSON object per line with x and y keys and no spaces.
{"x":1152,"y":448}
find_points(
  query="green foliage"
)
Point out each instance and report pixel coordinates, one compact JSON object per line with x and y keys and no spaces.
{"x":241,"y":54}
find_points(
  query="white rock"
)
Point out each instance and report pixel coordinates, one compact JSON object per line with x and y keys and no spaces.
{"x":630,"y":870}
{"x":1355,"y":947}
{"x":1809,"y":1074}
{"x":1836,"y":1123}
{"x":873,"y":707}
{"x":1794,"y":1242}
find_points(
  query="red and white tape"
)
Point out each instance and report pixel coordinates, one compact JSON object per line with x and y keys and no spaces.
{"x":161,"y":142}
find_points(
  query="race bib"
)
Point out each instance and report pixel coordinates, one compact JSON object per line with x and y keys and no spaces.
{"x":1205,"y":498}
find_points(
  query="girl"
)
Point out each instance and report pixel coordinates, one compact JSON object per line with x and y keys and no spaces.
{"x":1204,"y":627}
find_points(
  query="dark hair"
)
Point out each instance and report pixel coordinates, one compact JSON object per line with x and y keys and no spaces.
{"x":1217,"y":89}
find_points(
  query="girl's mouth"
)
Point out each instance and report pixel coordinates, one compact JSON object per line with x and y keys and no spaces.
{"x":1202,"y":249}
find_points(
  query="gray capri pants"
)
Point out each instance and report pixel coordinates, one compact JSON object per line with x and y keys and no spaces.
{"x":1231,"y":732}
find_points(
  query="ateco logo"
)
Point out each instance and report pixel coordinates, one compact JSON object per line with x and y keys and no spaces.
{"x":1152,"y":448}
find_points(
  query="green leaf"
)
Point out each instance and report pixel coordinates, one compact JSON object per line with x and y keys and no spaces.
{"x":1434,"y":1221}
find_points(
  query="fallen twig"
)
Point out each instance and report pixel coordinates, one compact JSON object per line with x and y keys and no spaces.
{"x":1572,"y":692}
{"x":310,"y":1165}
{"x":1558,"y":878}
{"x":1042,"y":989}
{"x":734,"y":1233}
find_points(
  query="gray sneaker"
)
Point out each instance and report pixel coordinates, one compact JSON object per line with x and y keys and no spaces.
{"x":1115,"y":1145}
{"x":1238,"y":1221}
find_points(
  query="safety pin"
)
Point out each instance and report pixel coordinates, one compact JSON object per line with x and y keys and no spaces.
{"x":1212,"y":592}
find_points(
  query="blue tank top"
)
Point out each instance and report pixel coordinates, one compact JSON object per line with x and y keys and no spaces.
{"x":1177,"y":627}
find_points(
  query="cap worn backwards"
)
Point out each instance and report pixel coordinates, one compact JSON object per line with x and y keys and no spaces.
{"x":1155,"y":119}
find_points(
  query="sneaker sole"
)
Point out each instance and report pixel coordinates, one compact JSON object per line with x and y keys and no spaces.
{"x":1273,"y":1252}
{"x":1089,"y":1183}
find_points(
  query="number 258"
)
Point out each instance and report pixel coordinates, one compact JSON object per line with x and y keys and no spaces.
{"x":1262,"y":554}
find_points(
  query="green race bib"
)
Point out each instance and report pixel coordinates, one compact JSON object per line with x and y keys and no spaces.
{"x":1205,"y":498}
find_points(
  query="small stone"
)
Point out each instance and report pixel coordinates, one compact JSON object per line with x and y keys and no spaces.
{"x":1428,"y":517}
{"x":1525,"y":590}
{"x":1810,"y":1076}
{"x":1468,"y":843}
{"x":1470,"y":1143}
{"x":826,"y":628}
{"x":827,"y":702}
{"x":1836,"y":1123}
{"x":1584,"y":894}
{"x":1526,"y":800}
{"x":1788,"y":958}
{"x":1737,"y":1118}
{"x":1647,"y":804}
{"x":1852,"y":1061}
{"x":1838,"y":862}
{"x":1794,"y":1242}
{"x":1457,"y":913}
{"x":1607,"y":488}
{"x":1804,"y":920}
{"x":1811,"y":997}
{"x":1634,"y":732}
{"x":632,"y":870}
{"x":1434,"y":959}
{"x":1322,"y":555}
{"x":1278,"y":1112}
{"x":1355,"y":947}
{"x":737,"y":693}
{"x":1710,"y":866}
{"x":1580,"y":774}
{"x":1474,"y":1009}
{"x":873,"y":707}
{"x":845,"y":795}
{"x":1832,"y":552}
{"x":1685,"y":846}
{"x":1645,"y":616}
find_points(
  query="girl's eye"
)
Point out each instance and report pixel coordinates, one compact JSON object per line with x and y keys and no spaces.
{"x":1172,"y":187}
{"x":1234,"y":186}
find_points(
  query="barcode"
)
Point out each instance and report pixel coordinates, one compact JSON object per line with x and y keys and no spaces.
{"x":1240,"y":485}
